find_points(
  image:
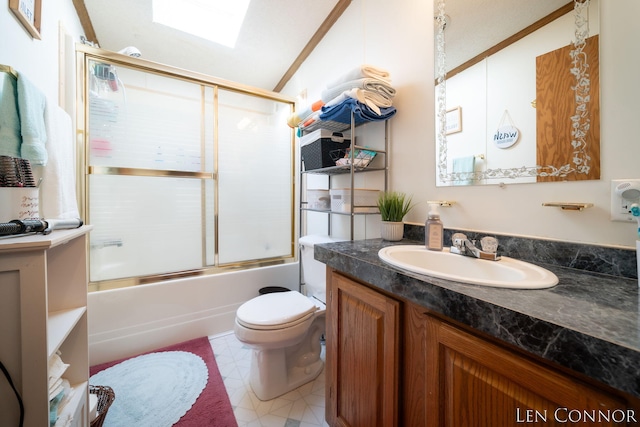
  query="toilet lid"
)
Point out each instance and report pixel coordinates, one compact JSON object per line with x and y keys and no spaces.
{"x":275,"y":311}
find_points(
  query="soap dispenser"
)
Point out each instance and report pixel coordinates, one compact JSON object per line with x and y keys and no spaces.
{"x":434,"y":230}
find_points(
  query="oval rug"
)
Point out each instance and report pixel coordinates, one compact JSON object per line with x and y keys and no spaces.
{"x":153,"y":390}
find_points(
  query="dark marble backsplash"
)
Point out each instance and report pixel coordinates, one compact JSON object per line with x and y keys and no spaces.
{"x":599,"y":259}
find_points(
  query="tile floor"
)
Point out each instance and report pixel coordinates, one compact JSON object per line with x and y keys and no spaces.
{"x":302,"y":407}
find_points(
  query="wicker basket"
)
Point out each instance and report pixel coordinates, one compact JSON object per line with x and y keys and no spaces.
{"x":106,"y":396}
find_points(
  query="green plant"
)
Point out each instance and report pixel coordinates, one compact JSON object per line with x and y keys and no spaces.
{"x":394,"y":205}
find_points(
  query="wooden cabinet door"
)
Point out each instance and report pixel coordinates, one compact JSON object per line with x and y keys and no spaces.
{"x":362,"y":355}
{"x":478,"y":383}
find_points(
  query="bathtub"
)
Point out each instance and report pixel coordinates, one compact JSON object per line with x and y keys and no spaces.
{"x":128,"y":321}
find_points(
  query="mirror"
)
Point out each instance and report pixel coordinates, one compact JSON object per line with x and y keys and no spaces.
{"x":517,"y":96}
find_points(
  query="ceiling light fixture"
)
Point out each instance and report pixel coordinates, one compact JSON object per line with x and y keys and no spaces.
{"x":215,"y":20}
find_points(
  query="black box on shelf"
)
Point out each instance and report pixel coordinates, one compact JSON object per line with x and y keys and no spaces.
{"x":317,"y":148}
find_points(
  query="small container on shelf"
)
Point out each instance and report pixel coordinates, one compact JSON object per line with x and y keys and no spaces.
{"x":318,"y":199}
{"x":316,"y":148}
{"x":364,"y":200}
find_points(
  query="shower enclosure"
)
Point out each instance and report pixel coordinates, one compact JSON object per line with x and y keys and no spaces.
{"x":182,"y":173}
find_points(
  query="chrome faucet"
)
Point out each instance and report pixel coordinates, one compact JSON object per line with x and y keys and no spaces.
{"x":463,"y":246}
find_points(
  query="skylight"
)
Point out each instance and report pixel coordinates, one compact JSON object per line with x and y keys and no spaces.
{"x":215,"y":20}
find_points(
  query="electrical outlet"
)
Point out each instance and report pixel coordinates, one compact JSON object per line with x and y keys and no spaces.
{"x":620,"y":206}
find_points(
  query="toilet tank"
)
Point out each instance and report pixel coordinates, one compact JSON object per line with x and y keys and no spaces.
{"x":314,"y":272}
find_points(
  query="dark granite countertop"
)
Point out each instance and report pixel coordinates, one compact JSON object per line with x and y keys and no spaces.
{"x":588,"y":322}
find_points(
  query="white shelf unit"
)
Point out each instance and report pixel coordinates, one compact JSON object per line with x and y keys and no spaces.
{"x":352,"y":171}
{"x":43,"y":297}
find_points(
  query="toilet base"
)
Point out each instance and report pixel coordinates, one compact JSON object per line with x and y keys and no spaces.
{"x":268,"y":384}
{"x":275,"y":372}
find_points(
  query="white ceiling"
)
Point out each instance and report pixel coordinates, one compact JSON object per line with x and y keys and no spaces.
{"x":276,"y":31}
{"x":272,"y":36}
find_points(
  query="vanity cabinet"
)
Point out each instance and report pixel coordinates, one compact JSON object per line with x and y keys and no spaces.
{"x":363,"y":344}
{"x":43,"y":299}
{"x":455,"y":377}
{"x":435,"y":373}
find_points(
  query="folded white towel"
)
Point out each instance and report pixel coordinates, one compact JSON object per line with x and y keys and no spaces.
{"x":31,"y":103}
{"x":361,"y":72}
{"x":55,"y":388}
{"x":374,"y":85}
{"x":58,"y":189}
{"x":372,"y":99}
{"x":56,"y":368}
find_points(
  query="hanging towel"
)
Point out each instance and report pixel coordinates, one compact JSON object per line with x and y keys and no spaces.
{"x":58,"y":189}
{"x":464,"y":165}
{"x":10,"y":138}
{"x":374,"y":85}
{"x":31,"y":103}
{"x":362,"y":113}
{"x":363,"y":71}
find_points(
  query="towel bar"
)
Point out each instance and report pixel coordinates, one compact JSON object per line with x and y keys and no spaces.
{"x":9,"y":70}
{"x":443,"y":203}
{"x":570,"y":206}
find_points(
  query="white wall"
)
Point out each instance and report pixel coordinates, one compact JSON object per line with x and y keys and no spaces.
{"x":398,"y":36}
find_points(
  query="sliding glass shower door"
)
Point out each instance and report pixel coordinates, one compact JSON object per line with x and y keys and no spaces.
{"x":183,"y":176}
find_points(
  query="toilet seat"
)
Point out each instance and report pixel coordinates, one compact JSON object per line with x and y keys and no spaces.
{"x":275,"y":311}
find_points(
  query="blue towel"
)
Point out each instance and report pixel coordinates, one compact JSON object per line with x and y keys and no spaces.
{"x":10,"y":139}
{"x":31,"y":103}
{"x":341,"y":112}
{"x":464,"y":165}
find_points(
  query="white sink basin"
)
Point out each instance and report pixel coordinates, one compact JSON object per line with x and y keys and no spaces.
{"x":505,"y":273}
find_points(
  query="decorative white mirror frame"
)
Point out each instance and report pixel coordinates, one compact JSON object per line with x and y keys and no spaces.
{"x":580,"y":120}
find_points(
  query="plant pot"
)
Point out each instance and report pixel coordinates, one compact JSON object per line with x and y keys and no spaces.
{"x":392,"y":231}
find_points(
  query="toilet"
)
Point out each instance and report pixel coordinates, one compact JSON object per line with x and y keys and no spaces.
{"x":284,"y":329}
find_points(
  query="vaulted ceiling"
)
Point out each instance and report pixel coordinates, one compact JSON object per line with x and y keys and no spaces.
{"x":277,"y":35}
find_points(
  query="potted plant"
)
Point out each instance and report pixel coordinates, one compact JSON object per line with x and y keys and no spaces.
{"x":393,"y":206}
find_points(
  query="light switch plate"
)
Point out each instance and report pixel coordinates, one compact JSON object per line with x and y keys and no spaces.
{"x":619,"y":205}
